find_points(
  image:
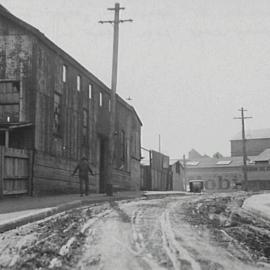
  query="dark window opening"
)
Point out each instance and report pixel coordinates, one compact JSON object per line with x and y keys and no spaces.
{"x":123,"y":145}
{"x":85,"y":125}
{"x":9,"y":101}
{"x":57,"y":114}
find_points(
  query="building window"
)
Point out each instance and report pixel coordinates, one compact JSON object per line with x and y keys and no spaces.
{"x":123,"y":145}
{"x":10,"y":103}
{"x":57,"y":114}
{"x":90,"y":91}
{"x":100,"y":99}
{"x":136,"y":145}
{"x":78,"y":83}
{"x":85,"y":125}
{"x":109,"y":105}
{"x":64,"y":73}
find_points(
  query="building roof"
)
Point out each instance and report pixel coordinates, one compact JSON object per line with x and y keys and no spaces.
{"x":253,"y":134}
{"x":194,"y":154}
{"x":3,"y":8}
{"x":264,"y":156}
{"x":131,"y":108}
{"x":223,"y":162}
{"x":39,"y":35}
{"x":9,"y":126}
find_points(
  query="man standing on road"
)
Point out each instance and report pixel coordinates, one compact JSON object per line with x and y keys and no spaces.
{"x":83,"y":168}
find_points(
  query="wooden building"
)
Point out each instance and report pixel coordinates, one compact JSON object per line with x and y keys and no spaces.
{"x":226,"y":173}
{"x":217,"y":174}
{"x":55,"y":111}
{"x":257,"y":141}
{"x":157,"y":174}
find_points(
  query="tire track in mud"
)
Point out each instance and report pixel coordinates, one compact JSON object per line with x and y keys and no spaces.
{"x":155,"y":232}
{"x":134,"y":254}
{"x":146,"y":234}
{"x":136,"y":234}
{"x":179,"y":256}
{"x":143,"y":232}
{"x":152,"y":232}
{"x":146,"y":260}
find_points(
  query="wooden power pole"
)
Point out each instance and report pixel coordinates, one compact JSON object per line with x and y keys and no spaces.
{"x":159,"y":143}
{"x":115,"y":22}
{"x":184,"y":172}
{"x":242,"y":118}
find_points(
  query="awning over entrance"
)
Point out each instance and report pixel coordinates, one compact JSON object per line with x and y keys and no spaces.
{"x":8,"y":126}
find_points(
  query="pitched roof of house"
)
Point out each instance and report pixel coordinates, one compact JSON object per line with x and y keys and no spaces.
{"x":264,"y":156}
{"x":216,"y":162}
{"x":194,"y":154}
{"x":34,"y":31}
{"x":253,"y":134}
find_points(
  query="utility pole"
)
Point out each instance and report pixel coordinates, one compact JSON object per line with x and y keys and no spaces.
{"x":184,"y":172}
{"x":159,"y":143}
{"x":111,"y":146}
{"x":242,"y":118}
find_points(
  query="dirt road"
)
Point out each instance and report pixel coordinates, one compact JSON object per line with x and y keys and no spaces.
{"x":190,"y":232}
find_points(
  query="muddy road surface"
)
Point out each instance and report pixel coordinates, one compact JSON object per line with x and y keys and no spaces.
{"x":206,"y":232}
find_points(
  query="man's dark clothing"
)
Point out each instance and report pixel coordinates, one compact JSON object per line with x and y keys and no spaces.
{"x":83,"y":168}
{"x":84,"y":181}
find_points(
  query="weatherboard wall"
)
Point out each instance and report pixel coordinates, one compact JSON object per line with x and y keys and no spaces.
{"x":68,"y":145}
{"x":253,"y":146}
{"x":56,"y":154}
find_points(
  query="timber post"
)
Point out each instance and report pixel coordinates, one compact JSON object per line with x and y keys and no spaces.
{"x":115,"y":22}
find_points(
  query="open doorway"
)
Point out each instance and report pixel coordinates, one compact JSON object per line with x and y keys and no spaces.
{"x":101,"y":163}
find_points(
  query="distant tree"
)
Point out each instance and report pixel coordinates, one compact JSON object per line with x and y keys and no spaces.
{"x":217,"y":155}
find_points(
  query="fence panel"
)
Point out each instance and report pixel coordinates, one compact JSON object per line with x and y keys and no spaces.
{"x":15,"y":171}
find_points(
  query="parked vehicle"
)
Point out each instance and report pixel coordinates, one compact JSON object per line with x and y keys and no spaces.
{"x":196,"y":186}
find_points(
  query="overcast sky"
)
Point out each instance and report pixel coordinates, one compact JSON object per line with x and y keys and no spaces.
{"x":187,"y":65}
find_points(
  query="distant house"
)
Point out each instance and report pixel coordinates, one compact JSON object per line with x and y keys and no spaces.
{"x":259,"y":171}
{"x":53,"y":111}
{"x":217,"y":173}
{"x":256,"y":142}
{"x":193,"y":154}
{"x":263,"y":158}
{"x":226,"y":173}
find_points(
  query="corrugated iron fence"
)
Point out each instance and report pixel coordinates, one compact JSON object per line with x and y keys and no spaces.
{"x":157,"y":175}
